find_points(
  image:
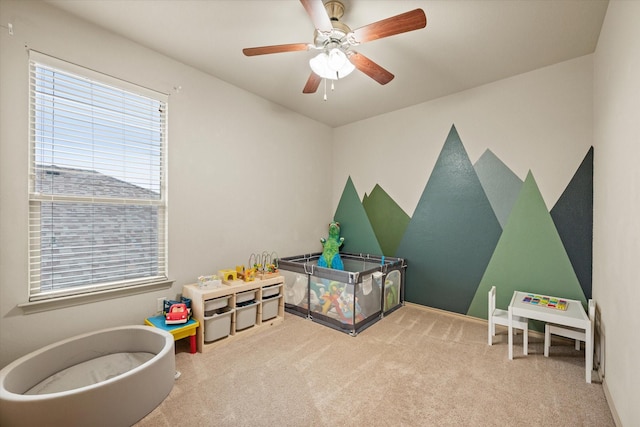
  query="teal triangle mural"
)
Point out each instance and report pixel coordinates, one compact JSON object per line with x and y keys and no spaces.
{"x":573,"y":216}
{"x":388,"y":219}
{"x":451,"y":235}
{"x":501,"y":185}
{"x":528,"y":257}
{"x":356,"y":229}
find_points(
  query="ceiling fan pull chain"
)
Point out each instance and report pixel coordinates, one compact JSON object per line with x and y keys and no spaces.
{"x":325,"y":89}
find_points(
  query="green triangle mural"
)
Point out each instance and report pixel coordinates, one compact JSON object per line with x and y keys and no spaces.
{"x":501,"y":185}
{"x":573,"y":216}
{"x":529,"y":256}
{"x":451,"y":235}
{"x":355,"y":227}
{"x":389,"y":221}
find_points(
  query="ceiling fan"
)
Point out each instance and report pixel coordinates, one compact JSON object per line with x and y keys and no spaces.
{"x":335,"y":40}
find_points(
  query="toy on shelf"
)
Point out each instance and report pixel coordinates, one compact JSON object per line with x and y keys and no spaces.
{"x":228,"y":275}
{"x":331,"y":248}
{"x":178,"y":313}
{"x":268,"y":265}
{"x":246,"y":274}
{"x":265,"y":265}
{"x":210,"y":281}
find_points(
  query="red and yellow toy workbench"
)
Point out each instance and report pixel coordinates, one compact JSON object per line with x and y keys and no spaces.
{"x":178,"y":331}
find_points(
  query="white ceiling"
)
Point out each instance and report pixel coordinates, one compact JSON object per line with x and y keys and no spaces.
{"x":466,"y":43}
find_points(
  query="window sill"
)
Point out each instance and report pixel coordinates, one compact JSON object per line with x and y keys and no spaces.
{"x":70,"y":301}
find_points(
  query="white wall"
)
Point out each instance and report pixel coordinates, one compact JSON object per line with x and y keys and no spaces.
{"x":235,"y":168}
{"x":541,"y":120}
{"x":617,"y":202}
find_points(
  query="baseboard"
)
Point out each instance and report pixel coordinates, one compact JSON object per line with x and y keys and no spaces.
{"x":612,"y":407}
{"x":533,"y":333}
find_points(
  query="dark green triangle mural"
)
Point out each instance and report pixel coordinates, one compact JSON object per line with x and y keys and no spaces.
{"x":451,"y":235}
{"x":501,"y":185}
{"x":389,"y":221}
{"x":529,"y":256}
{"x":573,"y":216}
{"x":354,"y":224}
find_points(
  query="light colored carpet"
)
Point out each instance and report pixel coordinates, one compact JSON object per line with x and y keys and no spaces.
{"x":415,"y":367}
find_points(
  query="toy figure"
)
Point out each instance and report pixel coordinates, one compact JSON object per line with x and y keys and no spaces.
{"x":331,"y":248}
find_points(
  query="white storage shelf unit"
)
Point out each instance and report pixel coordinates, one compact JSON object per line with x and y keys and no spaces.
{"x":214,"y":306}
{"x":217,"y":318}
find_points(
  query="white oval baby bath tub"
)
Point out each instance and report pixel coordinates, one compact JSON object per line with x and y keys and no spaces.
{"x":112,"y":377}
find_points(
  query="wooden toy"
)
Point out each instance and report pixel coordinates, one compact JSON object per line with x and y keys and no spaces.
{"x":228,"y":275}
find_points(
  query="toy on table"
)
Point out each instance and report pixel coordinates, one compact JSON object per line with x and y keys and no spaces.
{"x":331,"y":248}
{"x":545,"y":301}
{"x":178,"y":313}
{"x":166,"y":307}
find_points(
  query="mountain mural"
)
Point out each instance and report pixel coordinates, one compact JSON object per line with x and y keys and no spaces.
{"x":451,"y":235}
{"x":529,"y":256}
{"x":476,"y":226}
{"x":500,"y":184}
{"x":388,"y":219}
{"x":573,"y":216}
{"x":356,"y":229}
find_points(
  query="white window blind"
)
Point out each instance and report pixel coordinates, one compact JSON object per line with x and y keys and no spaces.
{"x":97,"y":205}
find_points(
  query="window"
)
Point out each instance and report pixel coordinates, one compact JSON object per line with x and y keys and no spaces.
{"x":97,"y":203}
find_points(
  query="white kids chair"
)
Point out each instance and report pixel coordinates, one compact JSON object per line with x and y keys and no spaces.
{"x":497,"y":316}
{"x":568,"y":332}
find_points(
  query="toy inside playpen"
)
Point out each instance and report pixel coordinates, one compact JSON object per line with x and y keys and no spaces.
{"x":349,"y":300}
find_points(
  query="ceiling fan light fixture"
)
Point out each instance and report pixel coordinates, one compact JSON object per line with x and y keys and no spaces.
{"x":336,"y":59}
{"x":334,"y":65}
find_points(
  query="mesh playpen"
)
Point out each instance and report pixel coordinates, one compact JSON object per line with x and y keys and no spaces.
{"x":349,"y":300}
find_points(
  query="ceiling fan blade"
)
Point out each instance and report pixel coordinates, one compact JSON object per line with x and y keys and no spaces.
{"x":279,"y":48}
{"x":370,"y":68}
{"x":318,"y":15}
{"x":408,"y":21}
{"x":312,"y":83}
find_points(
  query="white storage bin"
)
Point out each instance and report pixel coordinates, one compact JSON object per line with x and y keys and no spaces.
{"x":270,"y":291}
{"x":245,"y":296}
{"x":218,"y":325}
{"x":211,"y":305}
{"x":246,"y":316}
{"x":270,"y":308}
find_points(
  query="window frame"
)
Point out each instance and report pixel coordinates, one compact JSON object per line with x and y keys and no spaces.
{"x":36,"y":296}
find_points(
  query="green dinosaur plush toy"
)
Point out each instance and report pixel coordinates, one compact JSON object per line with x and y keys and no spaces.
{"x":331,"y":248}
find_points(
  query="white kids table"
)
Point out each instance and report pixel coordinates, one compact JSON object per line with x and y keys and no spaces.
{"x":574,"y":316}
